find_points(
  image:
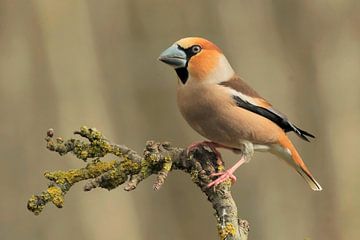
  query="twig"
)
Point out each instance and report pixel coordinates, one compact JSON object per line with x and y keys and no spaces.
{"x":130,"y":168}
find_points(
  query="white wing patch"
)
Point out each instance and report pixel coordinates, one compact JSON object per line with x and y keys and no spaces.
{"x":244,"y":97}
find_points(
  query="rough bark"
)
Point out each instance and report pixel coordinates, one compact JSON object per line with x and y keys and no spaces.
{"x":130,"y":168}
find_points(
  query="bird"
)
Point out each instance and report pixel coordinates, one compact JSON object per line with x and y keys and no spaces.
{"x":223,"y":108}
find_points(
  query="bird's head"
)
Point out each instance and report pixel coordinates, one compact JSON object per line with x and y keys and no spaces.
{"x":197,"y":60}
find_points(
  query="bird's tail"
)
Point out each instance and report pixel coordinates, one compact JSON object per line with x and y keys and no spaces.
{"x":286,"y":150}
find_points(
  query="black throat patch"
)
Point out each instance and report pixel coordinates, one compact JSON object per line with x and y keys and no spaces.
{"x":183,"y":74}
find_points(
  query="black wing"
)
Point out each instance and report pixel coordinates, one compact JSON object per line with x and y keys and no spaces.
{"x":274,"y":116}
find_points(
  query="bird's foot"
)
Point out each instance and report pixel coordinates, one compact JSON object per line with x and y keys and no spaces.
{"x":195,"y":145}
{"x":208,"y":144}
{"x":222,"y":177}
{"x":227,"y":174}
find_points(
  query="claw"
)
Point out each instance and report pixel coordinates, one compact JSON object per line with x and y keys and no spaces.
{"x":194,"y":145}
{"x":228,"y":174}
{"x":222,"y":177}
{"x":225,"y":175}
{"x":209,"y":144}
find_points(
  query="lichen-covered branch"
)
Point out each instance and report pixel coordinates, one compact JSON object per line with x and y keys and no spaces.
{"x":130,"y":168}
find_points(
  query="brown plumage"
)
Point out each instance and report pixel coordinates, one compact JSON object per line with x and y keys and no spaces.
{"x":239,"y":85}
{"x":224,"y":109}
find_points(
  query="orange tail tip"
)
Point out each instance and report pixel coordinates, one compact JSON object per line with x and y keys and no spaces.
{"x":286,"y":150}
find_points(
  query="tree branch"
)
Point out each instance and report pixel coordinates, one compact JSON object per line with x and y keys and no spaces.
{"x":130,"y":168}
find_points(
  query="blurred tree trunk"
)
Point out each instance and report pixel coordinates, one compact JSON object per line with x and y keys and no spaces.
{"x":80,"y":89}
{"x":299,"y":30}
{"x":29,"y":105}
{"x":144,"y":107}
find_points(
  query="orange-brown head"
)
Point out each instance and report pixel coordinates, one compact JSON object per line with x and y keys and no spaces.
{"x":197,"y":59}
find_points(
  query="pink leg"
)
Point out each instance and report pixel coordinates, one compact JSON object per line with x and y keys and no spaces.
{"x":227,"y":174}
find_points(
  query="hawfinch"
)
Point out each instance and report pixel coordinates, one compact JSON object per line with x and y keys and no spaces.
{"x":221,"y":107}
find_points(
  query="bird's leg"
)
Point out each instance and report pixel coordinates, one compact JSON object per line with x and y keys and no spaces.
{"x":247,"y":152}
{"x":223,"y":176}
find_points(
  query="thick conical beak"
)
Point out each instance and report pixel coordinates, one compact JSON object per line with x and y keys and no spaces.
{"x":174,"y":56}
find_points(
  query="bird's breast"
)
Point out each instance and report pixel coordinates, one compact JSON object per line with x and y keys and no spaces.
{"x":206,"y":111}
{"x":210,"y":110}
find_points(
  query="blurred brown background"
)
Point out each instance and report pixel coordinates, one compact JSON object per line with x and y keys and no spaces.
{"x":64,"y":64}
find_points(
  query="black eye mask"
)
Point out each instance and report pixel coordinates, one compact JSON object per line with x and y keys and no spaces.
{"x":183,"y":73}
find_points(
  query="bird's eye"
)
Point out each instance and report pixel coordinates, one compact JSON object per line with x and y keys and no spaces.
{"x":196,"y":49}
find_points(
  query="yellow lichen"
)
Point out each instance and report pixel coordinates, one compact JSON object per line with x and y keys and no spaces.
{"x":224,"y":232}
{"x":34,"y":206}
{"x":92,"y":170}
{"x":145,"y":168}
{"x":167,"y":164}
{"x":56,"y":195}
{"x":129,"y":166}
{"x":152,"y":158}
{"x":194,"y":176}
{"x":117,"y":152}
{"x":95,"y":133}
{"x":95,"y":169}
{"x":84,"y":129}
{"x":221,"y":168}
{"x":84,"y":154}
